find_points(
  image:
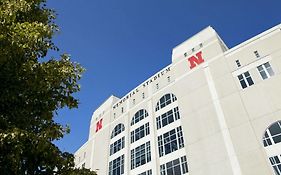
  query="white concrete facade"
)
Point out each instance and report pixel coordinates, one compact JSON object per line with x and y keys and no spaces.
{"x":219,"y":108}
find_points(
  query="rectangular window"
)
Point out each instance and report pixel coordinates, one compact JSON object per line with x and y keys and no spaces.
{"x":162,"y":170}
{"x":140,"y":155}
{"x":245,"y":79}
{"x":117,"y":145}
{"x":116,"y":166}
{"x":148,"y":172}
{"x":265,"y":70}
{"x":167,"y":118}
{"x":170,"y":141}
{"x":276,"y":164}
{"x":140,"y":132}
{"x":174,"y":167}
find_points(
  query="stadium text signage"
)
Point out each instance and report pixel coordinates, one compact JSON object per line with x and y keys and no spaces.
{"x":145,"y":84}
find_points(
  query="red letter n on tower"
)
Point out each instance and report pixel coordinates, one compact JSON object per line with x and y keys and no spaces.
{"x":99,"y":125}
{"x":195,"y":60}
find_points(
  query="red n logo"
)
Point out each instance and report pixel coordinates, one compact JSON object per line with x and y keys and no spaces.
{"x":99,"y":125}
{"x":195,"y":60}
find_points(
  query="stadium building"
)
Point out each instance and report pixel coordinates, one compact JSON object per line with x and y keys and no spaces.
{"x":212,"y":111}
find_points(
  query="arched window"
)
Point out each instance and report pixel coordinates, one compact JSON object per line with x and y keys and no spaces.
{"x":272,"y":135}
{"x":141,"y":114}
{"x":117,"y":130}
{"x":165,"y":100}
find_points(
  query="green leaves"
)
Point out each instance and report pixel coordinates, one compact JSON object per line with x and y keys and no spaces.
{"x":32,"y":91}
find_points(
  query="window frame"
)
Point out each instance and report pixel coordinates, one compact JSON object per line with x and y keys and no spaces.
{"x":168,"y":168}
{"x":170,"y":141}
{"x":275,"y":162}
{"x":265,"y":70}
{"x":117,"y":146}
{"x":167,"y":118}
{"x":165,"y":100}
{"x":140,"y":132}
{"x":245,"y":80}
{"x":116,"y":165}
{"x":119,"y":128}
{"x":139,"y":115}
{"x":140,"y":155}
{"x":270,"y":139}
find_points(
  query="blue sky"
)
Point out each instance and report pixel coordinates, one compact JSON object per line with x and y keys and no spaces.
{"x":121,"y":43}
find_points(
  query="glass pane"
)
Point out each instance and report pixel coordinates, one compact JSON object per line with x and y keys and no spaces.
{"x":174,"y":145}
{"x":169,"y":164}
{"x":176,"y":161}
{"x":164,"y":122}
{"x":170,"y":171}
{"x":263,"y":75}
{"x":279,"y":168}
{"x":184,"y":168}
{"x":270,"y":71}
{"x":247,"y":74}
{"x":275,"y":129}
{"x":268,"y":141}
{"x":167,"y":149}
{"x":272,"y":161}
{"x":260,"y":68}
{"x":276,"y":170}
{"x":243,"y":84}
{"x":162,"y":100}
{"x":250,"y":81}
{"x":266,"y":135}
{"x":171,"y":119}
{"x":266,"y":65}
{"x":277,"y":139}
{"x":177,"y":170}
{"x":240,"y":77}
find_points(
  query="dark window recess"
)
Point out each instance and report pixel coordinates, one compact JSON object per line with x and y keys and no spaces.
{"x":238,"y":63}
{"x":257,"y":54}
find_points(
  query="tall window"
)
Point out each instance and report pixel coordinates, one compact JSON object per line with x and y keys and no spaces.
{"x":245,"y":79}
{"x":117,"y":145}
{"x":170,"y":141}
{"x":174,"y":167}
{"x":140,"y":155}
{"x":141,"y":114}
{"x":148,"y":172}
{"x":116,"y":166}
{"x":276,"y":164}
{"x":265,"y":70}
{"x":272,"y":135}
{"x":167,"y":118}
{"x":165,"y":100}
{"x":140,"y":132}
{"x":117,"y":130}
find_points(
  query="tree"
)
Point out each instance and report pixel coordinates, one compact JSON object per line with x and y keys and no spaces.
{"x":32,"y":90}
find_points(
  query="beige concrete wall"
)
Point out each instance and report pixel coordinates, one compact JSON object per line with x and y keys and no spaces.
{"x":223,"y":124}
